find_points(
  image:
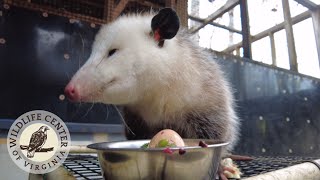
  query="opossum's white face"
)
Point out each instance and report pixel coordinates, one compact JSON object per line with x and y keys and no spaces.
{"x":125,"y":64}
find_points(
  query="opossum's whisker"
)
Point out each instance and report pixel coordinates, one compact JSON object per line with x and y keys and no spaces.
{"x":67,"y":74}
{"x":75,"y":113}
{"x":107,"y":112}
{"x":82,"y":42}
{"x":105,"y":54}
{"x":124,"y":122}
{"x":101,"y":60}
{"x":88,"y":110}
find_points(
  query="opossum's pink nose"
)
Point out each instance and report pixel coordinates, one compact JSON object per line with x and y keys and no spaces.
{"x":72,"y":93}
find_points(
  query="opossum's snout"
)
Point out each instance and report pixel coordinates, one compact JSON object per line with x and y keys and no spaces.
{"x":105,"y":82}
{"x":83,"y":86}
{"x":72,"y":93}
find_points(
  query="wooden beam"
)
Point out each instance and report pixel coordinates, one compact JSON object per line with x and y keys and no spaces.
{"x":92,"y":3}
{"x":215,"y":24}
{"x":273,"y":49}
{"x":308,"y":4}
{"x":225,"y":8}
{"x":147,"y":3}
{"x":170,"y":3}
{"x":182,"y":11}
{"x":108,"y":7}
{"x":246,"y":41}
{"x":119,"y":8}
{"x":303,"y":16}
{"x":290,"y":37}
{"x":50,"y":10}
{"x":316,"y":27}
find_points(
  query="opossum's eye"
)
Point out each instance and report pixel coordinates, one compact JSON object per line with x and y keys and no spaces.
{"x":111,"y":52}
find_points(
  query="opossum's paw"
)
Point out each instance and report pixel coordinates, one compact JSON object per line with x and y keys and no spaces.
{"x":228,"y":169}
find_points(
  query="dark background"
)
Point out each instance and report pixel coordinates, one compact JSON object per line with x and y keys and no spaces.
{"x":34,"y":70}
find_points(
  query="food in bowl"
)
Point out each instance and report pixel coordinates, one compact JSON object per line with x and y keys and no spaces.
{"x":121,"y":160}
{"x":168,"y":138}
{"x":165,"y":138}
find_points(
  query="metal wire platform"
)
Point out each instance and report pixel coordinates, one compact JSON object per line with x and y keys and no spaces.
{"x":261,"y":165}
{"x":87,"y":166}
{"x":83,"y":166}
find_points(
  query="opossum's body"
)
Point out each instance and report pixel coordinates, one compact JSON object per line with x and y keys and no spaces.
{"x":176,"y":86}
{"x":195,"y":99}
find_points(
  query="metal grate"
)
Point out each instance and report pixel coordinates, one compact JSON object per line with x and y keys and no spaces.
{"x":95,"y":11}
{"x":83,"y":166}
{"x":87,"y":10}
{"x":99,"y":11}
{"x":92,"y":8}
{"x":261,"y":165}
{"x":87,"y":167}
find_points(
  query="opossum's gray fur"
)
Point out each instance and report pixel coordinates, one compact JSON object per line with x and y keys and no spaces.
{"x":211,"y":117}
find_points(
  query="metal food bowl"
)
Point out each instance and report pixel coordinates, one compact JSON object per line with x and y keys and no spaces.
{"x":127,"y":160}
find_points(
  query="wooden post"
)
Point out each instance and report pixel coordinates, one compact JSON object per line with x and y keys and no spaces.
{"x":170,"y":3}
{"x":119,"y":8}
{"x":273,"y":49}
{"x":316,"y":27}
{"x":108,"y":7}
{"x":290,"y":38}
{"x":230,"y":4}
{"x":182,"y":11}
{"x":246,"y":44}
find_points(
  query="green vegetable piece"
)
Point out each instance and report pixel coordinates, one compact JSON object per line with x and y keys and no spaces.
{"x":146,"y":145}
{"x":163,"y":143}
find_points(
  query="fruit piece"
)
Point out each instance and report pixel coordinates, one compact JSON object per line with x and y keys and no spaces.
{"x":203,"y":144}
{"x":163,"y":143}
{"x":166,"y":138}
{"x":146,"y":145}
{"x":182,"y":151}
{"x":168,"y":151}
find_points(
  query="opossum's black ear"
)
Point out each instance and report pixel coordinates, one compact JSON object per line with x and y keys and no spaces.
{"x":165,"y":24}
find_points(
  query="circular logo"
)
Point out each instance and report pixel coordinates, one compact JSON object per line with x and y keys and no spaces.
{"x":38,"y":142}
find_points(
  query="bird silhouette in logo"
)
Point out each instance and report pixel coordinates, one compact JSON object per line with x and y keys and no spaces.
{"x":37,"y":140}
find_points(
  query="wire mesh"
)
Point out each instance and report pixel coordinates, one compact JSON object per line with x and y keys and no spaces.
{"x":94,"y":11}
{"x":87,"y":166}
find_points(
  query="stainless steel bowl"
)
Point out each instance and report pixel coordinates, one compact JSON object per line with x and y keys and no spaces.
{"x":126,"y":160}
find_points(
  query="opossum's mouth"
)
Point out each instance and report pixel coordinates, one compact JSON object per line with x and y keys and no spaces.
{"x":95,"y":95}
{"x":111,"y":82}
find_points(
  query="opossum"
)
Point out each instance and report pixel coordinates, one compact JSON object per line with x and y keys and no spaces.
{"x":161,"y":78}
